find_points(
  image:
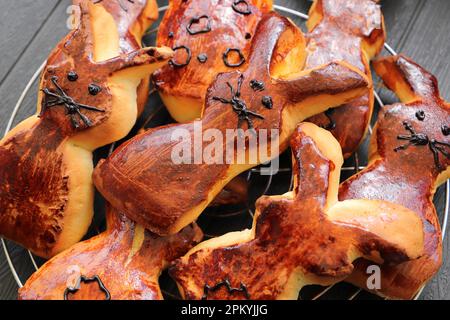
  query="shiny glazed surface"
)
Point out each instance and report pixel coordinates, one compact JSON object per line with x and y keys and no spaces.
{"x":228,"y":29}
{"x":126,"y":259}
{"x":141,"y":177}
{"x":46,"y":161}
{"x":352,"y":31}
{"x":296,"y":239}
{"x":407,"y":177}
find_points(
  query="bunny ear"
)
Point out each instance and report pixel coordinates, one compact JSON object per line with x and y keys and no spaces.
{"x":335,"y":78}
{"x":147,"y":60}
{"x":407,"y":79}
{"x":80,"y":43}
{"x":268,"y":33}
{"x":389,"y":230}
{"x":317,"y":162}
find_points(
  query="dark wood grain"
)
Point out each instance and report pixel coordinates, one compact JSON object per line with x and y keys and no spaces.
{"x":30,"y":29}
{"x":37,"y":50}
{"x":19,"y":29}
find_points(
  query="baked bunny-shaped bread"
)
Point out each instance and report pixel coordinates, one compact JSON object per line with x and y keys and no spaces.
{"x":122,"y":263}
{"x":303,"y":237}
{"x":141,"y":177}
{"x":353,"y":31}
{"x":202,"y":32}
{"x":409,"y":159}
{"x":87,"y":99}
{"x":208,"y":37}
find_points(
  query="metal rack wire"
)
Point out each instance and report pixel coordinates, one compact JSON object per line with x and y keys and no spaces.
{"x":247,"y":210}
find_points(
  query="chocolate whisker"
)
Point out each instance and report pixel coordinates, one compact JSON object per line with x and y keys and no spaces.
{"x":420,"y":139}
{"x":72,"y":107}
{"x":239,"y":106}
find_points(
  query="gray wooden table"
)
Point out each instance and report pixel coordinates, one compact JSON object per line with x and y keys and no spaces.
{"x":29,"y":29}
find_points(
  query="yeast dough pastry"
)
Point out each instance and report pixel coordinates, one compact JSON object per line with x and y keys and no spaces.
{"x":203,"y":32}
{"x":87,"y":99}
{"x":300,"y":238}
{"x":353,"y":31}
{"x":123,"y":263}
{"x":132,"y":19}
{"x":209,"y":37}
{"x":142,"y":179}
{"x":409,"y":159}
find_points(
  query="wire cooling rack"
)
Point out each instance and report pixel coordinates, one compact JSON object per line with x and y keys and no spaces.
{"x":215,"y":219}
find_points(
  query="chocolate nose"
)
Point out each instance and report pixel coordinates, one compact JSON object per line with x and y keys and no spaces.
{"x":421,"y":139}
{"x":239,"y":104}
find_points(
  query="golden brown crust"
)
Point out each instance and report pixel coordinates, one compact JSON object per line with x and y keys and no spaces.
{"x":18,"y":218}
{"x":46,"y":193}
{"x":353,"y":31}
{"x":126,"y":259}
{"x":141,"y":178}
{"x":228,"y":29}
{"x":407,"y":177}
{"x":132,"y":20}
{"x":300,"y":238}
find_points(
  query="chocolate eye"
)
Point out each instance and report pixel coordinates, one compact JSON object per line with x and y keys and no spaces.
{"x":445,"y":130}
{"x":72,"y":76}
{"x":257,"y":85}
{"x":94,"y":89}
{"x":420,"y":115}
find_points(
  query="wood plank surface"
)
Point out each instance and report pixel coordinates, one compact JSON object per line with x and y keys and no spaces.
{"x":20,"y":22}
{"x":29,"y":29}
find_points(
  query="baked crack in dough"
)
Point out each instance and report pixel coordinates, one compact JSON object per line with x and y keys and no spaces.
{"x":125,"y":261}
{"x":142,"y":180}
{"x":353,"y":31}
{"x":303,"y":237}
{"x":87,"y":99}
{"x":409,"y":159}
